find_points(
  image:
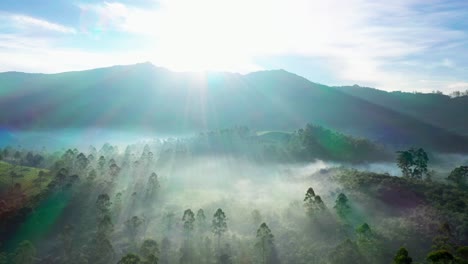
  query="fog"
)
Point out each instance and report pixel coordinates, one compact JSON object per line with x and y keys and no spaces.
{"x":111,"y":199}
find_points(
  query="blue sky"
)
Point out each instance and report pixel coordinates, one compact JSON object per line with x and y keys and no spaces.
{"x":411,"y":45}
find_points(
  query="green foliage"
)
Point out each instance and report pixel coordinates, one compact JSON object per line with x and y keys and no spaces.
{"x":188,"y":219}
{"x":314,"y":142}
{"x":346,"y":252}
{"x":201,"y":220}
{"x":459,"y":176}
{"x":150,"y":250}
{"x":364,"y":231}
{"x":103,"y":204}
{"x":440,"y":256}
{"x":402,"y":257}
{"x":219,"y":224}
{"x":313,"y":203}
{"x":462,"y":254}
{"x":341,"y":206}
{"x":413,"y":162}
{"x":265,"y":243}
{"x":129,"y":259}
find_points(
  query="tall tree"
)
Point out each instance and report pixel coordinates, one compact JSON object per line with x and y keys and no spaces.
{"x":188,"y":219}
{"x":152,"y":186}
{"x":102,"y":251}
{"x":341,"y":205}
{"x":201,"y":221}
{"x":265,"y":243}
{"x":133,"y":226}
{"x":150,"y":251}
{"x":313,"y":203}
{"x":186,"y":249}
{"x":219,"y":225}
{"x":402,"y":257}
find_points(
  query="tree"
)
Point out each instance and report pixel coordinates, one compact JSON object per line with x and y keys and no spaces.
{"x":224,"y":256}
{"x":459,"y":176}
{"x":444,"y":240}
{"x":265,"y":243}
{"x":201,"y":220}
{"x":103,"y":204}
{"x":133,"y":225}
{"x":14,"y":175}
{"x":440,"y":256}
{"x":91,"y":176}
{"x":341,"y":205}
{"x":152,"y":186}
{"x":413,"y":162}
{"x":24,"y":253}
{"x":313,"y":203}
{"x":101,"y":162}
{"x":219,"y":225}
{"x":114,"y":171}
{"x":186,"y":249}
{"x":150,"y":251}
{"x":402,"y":257}
{"x":66,"y":241}
{"x":103,"y":251}
{"x":462,"y":254}
{"x":129,"y":259}
{"x":41,"y":178}
{"x":82,"y":161}
{"x":189,"y":219}
{"x":345,"y":253}
{"x":364,"y":232}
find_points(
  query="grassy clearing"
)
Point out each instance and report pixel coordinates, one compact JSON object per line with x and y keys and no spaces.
{"x":29,"y":174}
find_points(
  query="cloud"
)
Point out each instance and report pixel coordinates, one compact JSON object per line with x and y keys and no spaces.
{"x":390,"y":45}
{"x":458,"y":86}
{"x":31,"y":22}
{"x":363,"y":41}
{"x":28,"y":25}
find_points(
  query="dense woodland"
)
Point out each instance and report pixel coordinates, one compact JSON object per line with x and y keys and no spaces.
{"x":230,"y":196}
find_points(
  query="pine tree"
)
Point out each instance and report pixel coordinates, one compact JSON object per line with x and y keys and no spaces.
{"x":219,"y":225}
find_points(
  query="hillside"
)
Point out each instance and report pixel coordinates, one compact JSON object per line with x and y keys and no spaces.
{"x":437,"y":109}
{"x":147,"y":98}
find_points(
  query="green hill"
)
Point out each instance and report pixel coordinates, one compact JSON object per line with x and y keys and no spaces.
{"x":143,"y":97}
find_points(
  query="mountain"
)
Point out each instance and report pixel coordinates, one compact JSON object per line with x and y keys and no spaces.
{"x":143,"y":97}
{"x":434,"y":108}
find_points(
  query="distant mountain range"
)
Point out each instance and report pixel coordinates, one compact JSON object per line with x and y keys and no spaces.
{"x":143,"y":97}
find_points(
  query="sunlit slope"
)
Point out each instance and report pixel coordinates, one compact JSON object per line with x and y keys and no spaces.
{"x":25,"y":176}
{"x":145,"y":97}
{"x":437,"y":109}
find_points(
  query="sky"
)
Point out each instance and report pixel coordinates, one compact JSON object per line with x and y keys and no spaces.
{"x":407,"y":45}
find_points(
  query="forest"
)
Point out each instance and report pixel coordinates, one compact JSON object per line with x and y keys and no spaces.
{"x":232,"y":196}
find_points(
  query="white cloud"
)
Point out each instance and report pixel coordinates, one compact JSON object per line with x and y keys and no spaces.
{"x":27,"y":25}
{"x":382,"y":44}
{"x":358,"y":37}
{"x":27,"y":21}
{"x":458,"y":86}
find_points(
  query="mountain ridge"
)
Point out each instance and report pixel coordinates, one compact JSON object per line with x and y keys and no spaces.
{"x":147,"y":97}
